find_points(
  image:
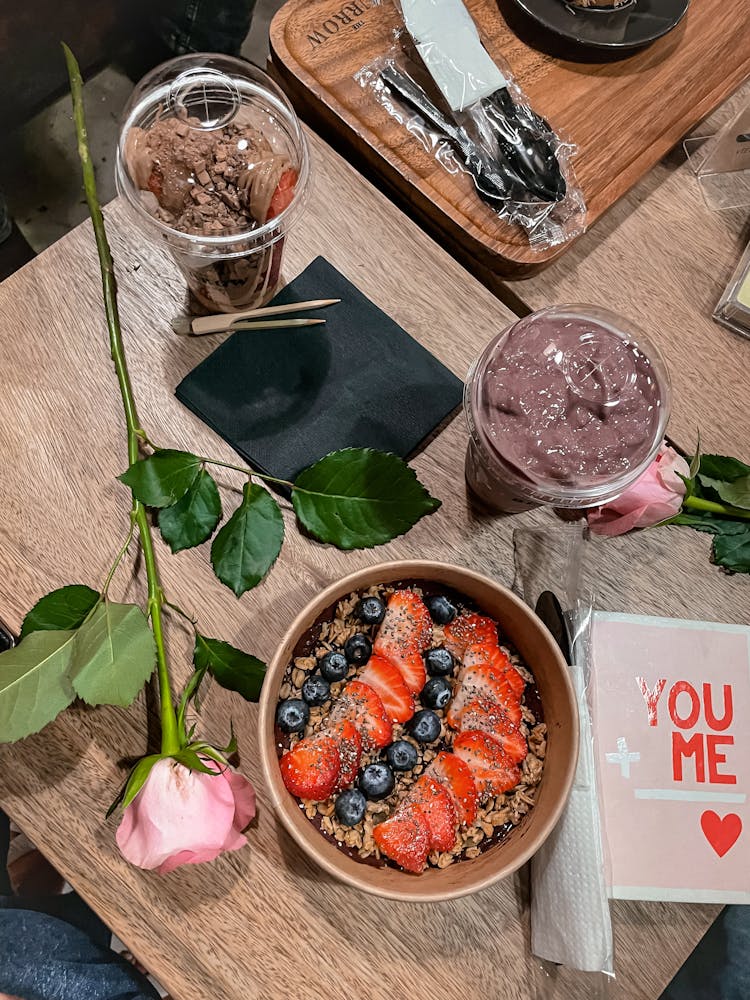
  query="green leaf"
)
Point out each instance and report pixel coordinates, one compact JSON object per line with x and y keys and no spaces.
{"x":193,"y":519}
{"x":113,"y":655}
{"x":189,"y":758}
{"x":62,"y":609}
{"x":695,"y":461}
{"x":232,"y":668}
{"x":246,"y":547}
{"x":162,"y":478}
{"x":134,"y":782}
{"x":722,"y":467}
{"x":736,"y":492}
{"x":34,"y":684}
{"x":732,"y":551}
{"x":710,"y":523}
{"x":358,"y":497}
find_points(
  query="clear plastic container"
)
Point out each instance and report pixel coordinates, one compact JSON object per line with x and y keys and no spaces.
{"x":566,"y":408}
{"x":213,"y":161}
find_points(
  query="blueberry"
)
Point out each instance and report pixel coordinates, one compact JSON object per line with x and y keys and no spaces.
{"x":377,"y":781}
{"x":370,"y":611}
{"x":439,"y":662}
{"x":316,"y":690}
{"x":436,"y":693}
{"x":350,"y":807}
{"x":333,"y":666}
{"x":441,"y":609}
{"x":358,"y":649}
{"x":292,"y":715}
{"x":425,"y":726}
{"x":402,"y":755}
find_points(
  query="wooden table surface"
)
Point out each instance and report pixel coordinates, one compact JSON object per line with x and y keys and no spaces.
{"x":264,"y":922}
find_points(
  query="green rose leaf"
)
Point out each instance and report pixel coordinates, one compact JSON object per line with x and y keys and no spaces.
{"x":704,"y":521}
{"x":246,"y":547}
{"x":113,"y":655}
{"x":162,"y":478}
{"x":732,"y":551}
{"x":232,"y":668}
{"x":193,"y":519}
{"x":722,"y":467}
{"x":135,"y":782}
{"x":34,"y":684}
{"x":736,"y":492}
{"x":358,"y":497}
{"x":62,"y":609}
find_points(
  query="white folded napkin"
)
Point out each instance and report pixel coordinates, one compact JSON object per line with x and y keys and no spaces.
{"x":570,"y":920}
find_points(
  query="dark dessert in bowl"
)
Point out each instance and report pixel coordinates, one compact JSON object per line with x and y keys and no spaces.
{"x":418,"y":731}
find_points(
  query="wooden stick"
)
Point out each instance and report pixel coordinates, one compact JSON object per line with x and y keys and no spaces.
{"x":221,"y":321}
{"x":270,"y":324}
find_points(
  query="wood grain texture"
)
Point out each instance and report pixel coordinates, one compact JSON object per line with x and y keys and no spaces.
{"x":263,"y":923}
{"x":662,"y":257}
{"x":623,"y":116}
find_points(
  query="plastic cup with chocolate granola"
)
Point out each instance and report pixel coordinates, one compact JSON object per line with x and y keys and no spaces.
{"x":213,"y":161}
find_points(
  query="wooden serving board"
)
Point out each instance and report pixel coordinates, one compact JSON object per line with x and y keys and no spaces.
{"x":623,"y":116}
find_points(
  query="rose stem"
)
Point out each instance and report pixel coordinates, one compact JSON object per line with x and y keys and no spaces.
{"x":170,"y":742}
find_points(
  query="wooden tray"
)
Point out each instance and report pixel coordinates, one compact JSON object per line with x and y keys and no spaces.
{"x":624,"y":116}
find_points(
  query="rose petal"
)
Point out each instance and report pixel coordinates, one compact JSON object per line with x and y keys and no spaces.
{"x":244,"y":798}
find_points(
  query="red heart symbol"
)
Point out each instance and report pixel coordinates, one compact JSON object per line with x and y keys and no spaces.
{"x":721,"y":832}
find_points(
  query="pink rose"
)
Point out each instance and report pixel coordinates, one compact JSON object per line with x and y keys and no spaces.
{"x":654,"y":497}
{"x":184,"y":817}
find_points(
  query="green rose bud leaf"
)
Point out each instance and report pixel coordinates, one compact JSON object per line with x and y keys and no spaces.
{"x":113,"y":655}
{"x":162,"y":478}
{"x":34,"y":683}
{"x":231,"y":668}
{"x":193,"y":519}
{"x":732,"y":551}
{"x":246,"y":547}
{"x":62,"y":609}
{"x":357,"y":498}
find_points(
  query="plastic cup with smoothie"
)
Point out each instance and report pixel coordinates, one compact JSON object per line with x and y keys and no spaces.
{"x":213,"y":162}
{"x":567,"y":407}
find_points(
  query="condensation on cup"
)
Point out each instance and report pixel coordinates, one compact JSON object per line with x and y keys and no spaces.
{"x":566,"y":408}
{"x":213,"y":163}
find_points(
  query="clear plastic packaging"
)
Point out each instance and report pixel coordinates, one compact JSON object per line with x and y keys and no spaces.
{"x":213,"y":161}
{"x":733,"y":308}
{"x":565,"y":408}
{"x":472,"y":117}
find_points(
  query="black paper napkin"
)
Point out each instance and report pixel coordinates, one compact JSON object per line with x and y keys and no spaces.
{"x":285,"y":398}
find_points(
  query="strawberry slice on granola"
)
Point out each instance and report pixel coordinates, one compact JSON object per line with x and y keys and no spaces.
{"x":349,"y":742}
{"x":493,"y":771}
{"x":386,"y":679}
{"x":405,"y":839}
{"x":310,"y":770}
{"x":362,"y":705}
{"x":489,"y":716}
{"x":435,"y":803}
{"x":455,"y":775}
{"x":406,"y":631}
{"x":466,"y":630}
{"x":483,"y":681}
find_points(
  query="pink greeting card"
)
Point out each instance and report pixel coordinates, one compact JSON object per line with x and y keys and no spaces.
{"x":671,"y":711}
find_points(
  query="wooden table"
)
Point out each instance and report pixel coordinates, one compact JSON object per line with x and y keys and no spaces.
{"x":264,"y":922}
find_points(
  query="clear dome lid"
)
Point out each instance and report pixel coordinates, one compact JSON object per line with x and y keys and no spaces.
{"x":574,"y":399}
{"x":210,"y":150}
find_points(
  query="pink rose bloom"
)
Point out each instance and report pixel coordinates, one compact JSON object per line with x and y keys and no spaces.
{"x":184,"y":817}
{"x":654,"y":497}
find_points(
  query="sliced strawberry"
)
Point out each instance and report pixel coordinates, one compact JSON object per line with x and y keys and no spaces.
{"x":283,"y":195}
{"x":488,"y":716}
{"x":456,"y":776}
{"x":405,"y":633}
{"x":491,"y":768}
{"x":386,"y":679}
{"x":360,"y":703}
{"x":468,"y":629}
{"x":405,"y":839}
{"x":346,"y":736}
{"x":516,"y":682}
{"x":311,"y":768}
{"x":436,"y":805}
{"x":479,"y":682}
{"x":490,"y":652}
